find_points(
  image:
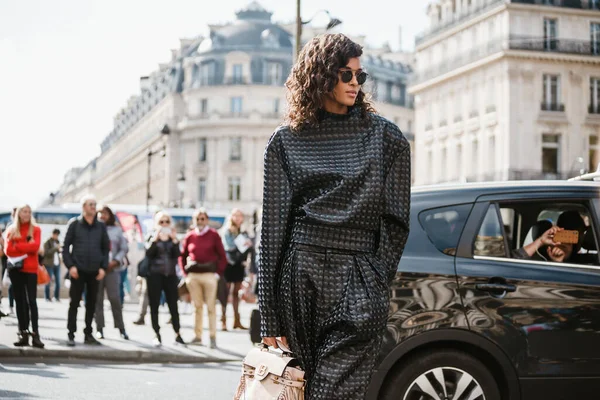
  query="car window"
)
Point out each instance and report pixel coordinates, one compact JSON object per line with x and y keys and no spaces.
{"x":490,"y":238}
{"x":444,"y":225}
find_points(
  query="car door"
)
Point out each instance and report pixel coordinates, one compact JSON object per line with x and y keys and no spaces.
{"x":544,"y":315}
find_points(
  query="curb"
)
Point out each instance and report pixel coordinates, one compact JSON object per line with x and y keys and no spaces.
{"x":136,"y":356}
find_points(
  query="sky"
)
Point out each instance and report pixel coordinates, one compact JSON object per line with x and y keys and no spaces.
{"x":68,"y":66}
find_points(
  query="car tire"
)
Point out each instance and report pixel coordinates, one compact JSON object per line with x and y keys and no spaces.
{"x":427,"y":369}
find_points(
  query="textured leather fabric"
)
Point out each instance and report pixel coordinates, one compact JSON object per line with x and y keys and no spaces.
{"x":335,"y":221}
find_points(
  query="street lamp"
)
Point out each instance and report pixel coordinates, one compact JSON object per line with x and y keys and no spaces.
{"x":165,"y":132}
{"x":333,"y":22}
{"x":181,"y":186}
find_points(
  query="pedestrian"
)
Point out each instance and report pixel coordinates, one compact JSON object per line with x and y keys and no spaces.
{"x":235,"y":271}
{"x":3,"y":269}
{"x":143,"y":302}
{"x":112,"y":280}
{"x":203,"y":259}
{"x":22,"y":246}
{"x":52,"y":263}
{"x":163,"y":255}
{"x":335,"y":221}
{"x":85,"y":254}
{"x":11,"y":297}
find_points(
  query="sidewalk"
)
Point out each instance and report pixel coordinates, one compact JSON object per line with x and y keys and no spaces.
{"x":232,"y":345}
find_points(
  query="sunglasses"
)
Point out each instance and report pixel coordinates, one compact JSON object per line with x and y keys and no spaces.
{"x":347,"y":74}
{"x":201,"y":219}
{"x":164,"y":222}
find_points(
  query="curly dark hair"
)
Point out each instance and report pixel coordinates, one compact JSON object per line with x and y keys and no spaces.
{"x":315,"y":74}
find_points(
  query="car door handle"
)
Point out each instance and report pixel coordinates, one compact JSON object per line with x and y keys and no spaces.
{"x":495,"y":287}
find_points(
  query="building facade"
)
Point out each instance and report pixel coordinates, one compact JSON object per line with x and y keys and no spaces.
{"x":507,"y":90}
{"x":221,"y":97}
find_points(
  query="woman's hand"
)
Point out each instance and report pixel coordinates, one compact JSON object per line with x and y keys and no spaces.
{"x":173,"y":235}
{"x":272,"y":341}
{"x":547,"y":238}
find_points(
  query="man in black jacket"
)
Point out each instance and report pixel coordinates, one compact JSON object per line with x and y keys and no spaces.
{"x":85,"y":254}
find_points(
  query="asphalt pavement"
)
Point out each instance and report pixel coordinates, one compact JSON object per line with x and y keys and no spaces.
{"x":232,"y":345}
{"x":90,"y":381}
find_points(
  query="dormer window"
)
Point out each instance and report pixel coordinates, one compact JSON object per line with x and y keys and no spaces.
{"x":274,"y":72}
{"x":207,"y":73}
{"x":237,"y":74}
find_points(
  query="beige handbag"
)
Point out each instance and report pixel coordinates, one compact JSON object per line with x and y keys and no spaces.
{"x":270,"y":376}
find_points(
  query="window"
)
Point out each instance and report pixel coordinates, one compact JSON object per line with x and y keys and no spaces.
{"x":202,"y":150}
{"x":492,"y":154}
{"x":234,"y":189}
{"x":594,"y":96}
{"x":207,"y":73}
{"x":444,"y":162}
{"x":237,"y":74}
{"x":550,"y":34}
{"x":442,"y":117}
{"x":395,"y":93}
{"x":475,"y":154}
{"x":551,"y":93}
{"x":594,"y":4}
{"x":201,"y":190}
{"x":276,"y":105}
{"x":594,"y":153}
{"x":490,"y":238}
{"x":444,"y":226}
{"x":474,"y":101}
{"x":550,"y":153}
{"x":203,"y":106}
{"x":491,"y":95}
{"x":236,"y":105}
{"x":235,"y":149}
{"x":595,"y":37}
{"x":274,"y":73}
{"x":430,"y":162}
{"x":459,"y":171}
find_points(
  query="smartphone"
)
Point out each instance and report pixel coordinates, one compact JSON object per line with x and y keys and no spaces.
{"x":165,"y":231}
{"x":567,"y":237}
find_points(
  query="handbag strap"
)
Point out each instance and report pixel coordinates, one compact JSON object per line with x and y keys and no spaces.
{"x":286,"y":350}
{"x":249,"y":372}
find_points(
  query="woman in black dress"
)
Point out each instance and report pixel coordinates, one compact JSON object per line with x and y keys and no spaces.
{"x":335,"y":221}
{"x":236,"y":262}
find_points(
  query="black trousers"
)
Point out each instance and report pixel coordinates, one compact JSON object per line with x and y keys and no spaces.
{"x":25,"y":291}
{"x":87,"y":281}
{"x":156,"y":284}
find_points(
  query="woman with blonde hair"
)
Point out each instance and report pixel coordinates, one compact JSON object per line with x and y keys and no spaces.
{"x":163,"y":254}
{"x":23,"y":244}
{"x":236,"y":258}
{"x":203,"y":260}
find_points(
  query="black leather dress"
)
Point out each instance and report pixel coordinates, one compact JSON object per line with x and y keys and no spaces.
{"x":335,"y":222}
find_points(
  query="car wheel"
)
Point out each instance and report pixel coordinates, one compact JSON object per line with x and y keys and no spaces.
{"x":442,"y":375}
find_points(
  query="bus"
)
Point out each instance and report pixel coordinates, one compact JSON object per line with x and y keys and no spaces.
{"x":134,"y":219}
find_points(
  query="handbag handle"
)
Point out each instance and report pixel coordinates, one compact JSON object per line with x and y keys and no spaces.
{"x":286,"y":350}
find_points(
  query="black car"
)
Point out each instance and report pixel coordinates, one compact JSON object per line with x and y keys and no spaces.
{"x":470,"y":320}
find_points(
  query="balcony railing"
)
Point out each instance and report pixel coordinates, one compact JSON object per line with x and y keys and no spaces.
{"x":583,"y":4}
{"x":457,"y":19}
{"x":567,"y":46}
{"x":553,"y":107}
{"x":594,"y":109}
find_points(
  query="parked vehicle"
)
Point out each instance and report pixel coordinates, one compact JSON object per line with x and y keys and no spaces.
{"x":469,"y":321}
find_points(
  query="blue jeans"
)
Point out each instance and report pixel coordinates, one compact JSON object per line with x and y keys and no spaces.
{"x":124,"y":283}
{"x":55,"y":270}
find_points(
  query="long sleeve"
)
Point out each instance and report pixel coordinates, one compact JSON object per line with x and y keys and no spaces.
{"x":123,"y":249}
{"x":277,"y":200}
{"x":395,"y":218}
{"x":16,"y":248}
{"x":184,"y":254}
{"x":67,"y":255}
{"x":220,"y":250}
{"x":50,"y":248}
{"x":105,"y":247}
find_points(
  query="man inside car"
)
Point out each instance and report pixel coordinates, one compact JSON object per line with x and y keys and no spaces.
{"x":545,"y":249}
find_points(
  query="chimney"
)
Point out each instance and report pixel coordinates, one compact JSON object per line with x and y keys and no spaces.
{"x":144,"y":83}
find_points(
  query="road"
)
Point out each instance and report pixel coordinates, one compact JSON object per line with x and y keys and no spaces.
{"x":87,"y":381}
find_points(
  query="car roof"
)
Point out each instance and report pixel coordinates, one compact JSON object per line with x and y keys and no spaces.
{"x":468,"y":192}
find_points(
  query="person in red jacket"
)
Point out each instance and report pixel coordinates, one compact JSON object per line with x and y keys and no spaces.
{"x":203,"y":262}
{"x":23,"y":243}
